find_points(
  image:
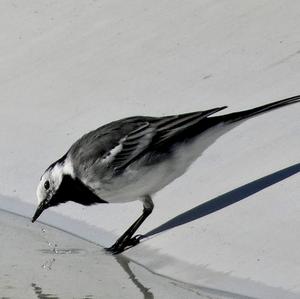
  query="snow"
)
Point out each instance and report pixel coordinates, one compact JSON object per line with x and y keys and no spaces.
{"x":69,"y":67}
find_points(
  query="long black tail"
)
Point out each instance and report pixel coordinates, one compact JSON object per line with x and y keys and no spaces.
{"x":241,"y":115}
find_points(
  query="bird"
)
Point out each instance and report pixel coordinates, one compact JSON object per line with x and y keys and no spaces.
{"x":133,"y":158}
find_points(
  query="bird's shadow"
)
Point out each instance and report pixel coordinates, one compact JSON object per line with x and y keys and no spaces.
{"x":226,"y":199}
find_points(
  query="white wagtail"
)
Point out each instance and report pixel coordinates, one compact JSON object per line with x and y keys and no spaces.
{"x":133,"y":158}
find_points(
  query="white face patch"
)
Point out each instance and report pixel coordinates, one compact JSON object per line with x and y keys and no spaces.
{"x":40,"y":191}
{"x":68,"y":168}
{"x":54,"y":177}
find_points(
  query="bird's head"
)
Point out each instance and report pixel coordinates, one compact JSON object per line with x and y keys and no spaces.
{"x":51,"y":190}
{"x":58,"y":185}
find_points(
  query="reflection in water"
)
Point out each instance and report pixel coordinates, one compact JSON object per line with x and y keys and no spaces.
{"x":124,"y":263}
{"x":39,"y":293}
{"x":96,"y":272}
{"x":159,"y":285}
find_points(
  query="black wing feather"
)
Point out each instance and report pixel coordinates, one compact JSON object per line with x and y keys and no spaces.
{"x":153,"y":133}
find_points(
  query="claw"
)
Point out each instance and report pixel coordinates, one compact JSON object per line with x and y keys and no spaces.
{"x":135,"y":240}
{"x":114,"y":249}
{"x":119,"y":247}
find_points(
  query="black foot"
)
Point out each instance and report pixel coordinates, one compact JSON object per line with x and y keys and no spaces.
{"x":120,"y":246}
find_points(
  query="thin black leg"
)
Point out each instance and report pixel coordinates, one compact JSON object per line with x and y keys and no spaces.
{"x":126,"y":239}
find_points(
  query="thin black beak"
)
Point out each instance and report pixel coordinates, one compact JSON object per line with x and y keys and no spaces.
{"x":42,"y":206}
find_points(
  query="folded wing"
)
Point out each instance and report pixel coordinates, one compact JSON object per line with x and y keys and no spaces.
{"x":152,"y":133}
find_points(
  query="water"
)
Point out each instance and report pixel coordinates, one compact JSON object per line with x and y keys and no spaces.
{"x":38,"y":261}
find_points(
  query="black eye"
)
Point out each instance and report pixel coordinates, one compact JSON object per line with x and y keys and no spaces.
{"x":47,"y":185}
